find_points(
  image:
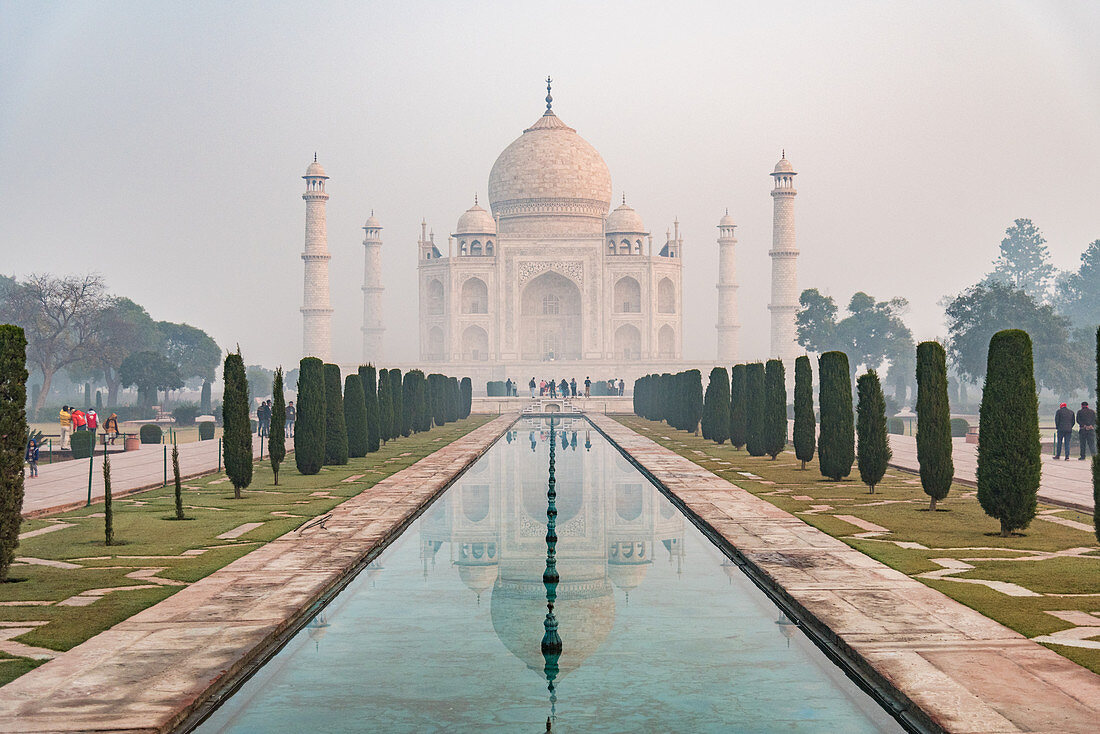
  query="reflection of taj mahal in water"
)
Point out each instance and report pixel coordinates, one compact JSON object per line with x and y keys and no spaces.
{"x":612,"y":525}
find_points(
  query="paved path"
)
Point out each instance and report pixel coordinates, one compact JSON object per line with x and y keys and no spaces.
{"x":1067,"y":483}
{"x":65,"y":484}
{"x":949,"y":666}
{"x":148,"y":673}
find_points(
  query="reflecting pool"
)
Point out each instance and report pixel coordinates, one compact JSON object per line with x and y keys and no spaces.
{"x":453,"y":627}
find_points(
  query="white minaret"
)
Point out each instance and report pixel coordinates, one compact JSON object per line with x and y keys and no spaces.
{"x":784,"y":254}
{"x":316,"y":310}
{"x":728,"y":328}
{"x":373,"y":327}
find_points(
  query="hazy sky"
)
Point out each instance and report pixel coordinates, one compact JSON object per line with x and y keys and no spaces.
{"x":163,"y":144}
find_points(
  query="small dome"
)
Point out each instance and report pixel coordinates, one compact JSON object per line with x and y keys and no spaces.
{"x":372,"y":222}
{"x":476,"y":220}
{"x":315,"y":170}
{"x":784,"y":165}
{"x":624,"y":219}
{"x":727,"y":220}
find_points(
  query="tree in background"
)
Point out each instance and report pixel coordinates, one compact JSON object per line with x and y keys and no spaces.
{"x":124,"y":328}
{"x":336,"y":433}
{"x":355,"y":416}
{"x":191,"y":349}
{"x":900,"y":378}
{"x":1008,"y":434}
{"x":204,"y":398}
{"x":309,"y":423}
{"x":467,"y":387}
{"x":259,"y":381}
{"x":937,"y":468}
{"x":397,"y":429}
{"x":836,"y":443}
{"x":276,"y":434}
{"x":385,"y":406}
{"x":149,"y":372}
{"x":1024,"y":262}
{"x":716,"y":407}
{"x":775,"y":408}
{"x":755,"y":415}
{"x":370,"y":398}
{"x":738,"y":417}
{"x":874,"y":446}
{"x":1077,"y":293}
{"x":871,"y":333}
{"x":13,"y":439}
{"x":805,"y":425}
{"x":236,"y":424}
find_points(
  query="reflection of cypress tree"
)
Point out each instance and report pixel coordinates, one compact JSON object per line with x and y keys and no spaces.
{"x":551,"y":640}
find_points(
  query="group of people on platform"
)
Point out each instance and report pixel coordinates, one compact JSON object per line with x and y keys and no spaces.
{"x":263,"y":419}
{"x":73,"y":420}
{"x":567,"y":388}
{"x":1085,"y":420}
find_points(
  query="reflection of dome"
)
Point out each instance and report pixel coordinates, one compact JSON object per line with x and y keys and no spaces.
{"x":585,"y":612}
{"x":624,"y":220}
{"x":550,"y":170}
{"x":476,"y":220}
{"x":478,"y":579}
{"x":628,"y":576}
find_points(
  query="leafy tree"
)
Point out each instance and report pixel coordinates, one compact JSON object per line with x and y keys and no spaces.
{"x":871,"y":333}
{"x":336,"y":433}
{"x":755,"y":416}
{"x":276,"y":434}
{"x":816,"y":321}
{"x":467,"y":387}
{"x":1024,"y":262}
{"x":775,"y":408}
{"x":259,"y":381}
{"x":124,"y":328}
{"x":191,"y":349}
{"x":874,"y":446}
{"x":397,"y":428}
{"x":13,"y":439}
{"x":738,"y":417}
{"x":986,"y":308}
{"x":805,"y":424}
{"x":836,"y":442}
{"x":1077,"y":293}
{"x":902,"y":367}
{"x":716,"y":407}
{"x":1008,"y":433}
{"x":937,"y":468}
{"x":355,"y":416}
{"x":237,"y":426}
{"x":370,"y":396}
{"x":149,"y":372}
{"x":385,"y":406}
{"x":309,"y":423}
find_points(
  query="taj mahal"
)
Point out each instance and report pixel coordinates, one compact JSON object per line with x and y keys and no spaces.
{"x":550,"y":279}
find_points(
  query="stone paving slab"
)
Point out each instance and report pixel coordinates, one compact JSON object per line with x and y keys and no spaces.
{"x":148,"y":673}
{"x":955,"y":669}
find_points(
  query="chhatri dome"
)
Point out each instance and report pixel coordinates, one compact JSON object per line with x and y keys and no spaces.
{"x":784,"y":165}
{"x":625,"y":220}
{"x":476,"y":220}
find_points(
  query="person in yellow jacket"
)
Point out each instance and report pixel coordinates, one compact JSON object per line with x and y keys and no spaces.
{"x":65,"y":418}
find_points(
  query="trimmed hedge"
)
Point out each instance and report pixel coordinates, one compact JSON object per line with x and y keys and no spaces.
{"x":716,"y":407}
{"x":895,"y":426}
{"x":83,"y":442}
{"x":237,"y":436}
{"x":739,"y":426}
{"x":496,"y":389}
{"x":206,"y":430}
{"x":959,"y":427}
{"x":13,"y":439}
{"x":368,"y":378}
{"x":149,"y":433}
{"x":755,"y":416}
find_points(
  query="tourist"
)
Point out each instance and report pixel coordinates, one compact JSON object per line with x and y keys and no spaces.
{"x":533,"y":387}
{"x":80,"y":421}
{"x":573,"y":386}
{"x":263,"y":418}
{"x":1063,"y":429}
{"x":111,"y":427}
{"x":32,"y":457}
{"x":1086,"y":431}
{"x":588,"y":387}
{"x":289,"y":430}
{"x":92,"y":420}
{"x":65,"y":418}
{"x":622,"y":387}
{"x":552,"y":387}
{"x":564,"y":387}
{"x":542,"y":388}
{"x":508,"y":388}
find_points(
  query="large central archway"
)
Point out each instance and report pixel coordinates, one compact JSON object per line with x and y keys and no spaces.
{"x":551,"y":321}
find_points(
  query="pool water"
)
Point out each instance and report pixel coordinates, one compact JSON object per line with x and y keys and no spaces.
{"x":659,"y":631}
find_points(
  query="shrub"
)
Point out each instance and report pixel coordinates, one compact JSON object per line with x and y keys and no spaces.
{"x":13,"y":439}
{"x":370,"y":398}
{"x":1008,"y":445}
{"x":355,"y":416}
{"x":754,"y":409}
{"x":83,"y":443}
{"x":934,"y":424}
{"x":309,"y":424}
{"x":775,"y":408}
{"x":185,"y":414}
{"x":805,"y":424}
{"x":206,"y":430}
{"x":895,"y":426}
{"x":716,"y":407}
{"x":466,"y":387}
{"x":874,"y":448}
{"x":739,"y":426}
{"x":959,"y":427}
{"x":149,"y":433}
{"x":276,"y":433}
{"x":237,"y":436}
{"x":495,"y":389}
{"x":336,"y":433}
{"x":837,"y":441}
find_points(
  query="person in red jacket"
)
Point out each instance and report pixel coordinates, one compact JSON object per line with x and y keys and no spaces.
{"x":92,"y":420}
{"x":80,"y":420}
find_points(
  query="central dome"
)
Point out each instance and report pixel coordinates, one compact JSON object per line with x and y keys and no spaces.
{"x":551,"y":172}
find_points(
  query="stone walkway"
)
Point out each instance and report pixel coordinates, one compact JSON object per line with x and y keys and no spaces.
{"x":1066,"y":483}
{"x":64,"y":485}
{"x":148,"y":673}
{"x":958,"y":670}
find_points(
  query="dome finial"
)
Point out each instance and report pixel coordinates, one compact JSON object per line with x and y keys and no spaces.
{"x":727,"y":211}
{"x":475,"y":198}
{"x":549,"y":99}
{"x":784,"y":155}
{"x":314,"y":156}
{"x":624,"y":198}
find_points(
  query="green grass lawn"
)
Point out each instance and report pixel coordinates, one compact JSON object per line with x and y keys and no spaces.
{"x":185,"y":551}
{"x":961,"y":531}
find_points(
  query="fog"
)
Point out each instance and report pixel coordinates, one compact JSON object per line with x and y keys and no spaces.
{"x":163,"y":145}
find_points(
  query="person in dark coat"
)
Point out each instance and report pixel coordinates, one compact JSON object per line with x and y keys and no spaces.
{"x":1086,"y":430}
{"x":32,"y":457}
{"x":564,"y":387}
{"x":1063,"y":427}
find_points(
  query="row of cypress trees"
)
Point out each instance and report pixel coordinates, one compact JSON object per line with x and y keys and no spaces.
{"x":749,"y":408}
{"x":674,"y":398}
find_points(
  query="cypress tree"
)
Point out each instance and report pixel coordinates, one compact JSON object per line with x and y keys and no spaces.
{"x":437,"y":398}
{"x":276,"y":433}
{"x":408,"y":401}
{"x":754,"y":409}
{"x":385,"y":406}
{"x":87,"y":396}
{"x":716,"y":406}
{"x":739,"y":427}
{"x":13,"y":439}
{"x":336,"y":432}
{"x":454,"y":399}
{"x":236,"y":425}
{"x":1008,"y":433}
{"x":874,"y":447}
{"x":309,"y":425}
{"x":1096,"y":458}
{"x":108,"y":508}
{"x":933,"y":422}
{"x":775,"y":408}
{"x":176,"y":479}
{"x":397,"y":429}
{"x":370,"y":396}
{"x":693,"y":399}
{"x":422,"y":411}
{"x":467,"y":387}
{"x":837,"y":442}
{"x":805,"y":425}
{"x":355,"y":416}
{"x":98,"y":401}
{"x":204,"y":398}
